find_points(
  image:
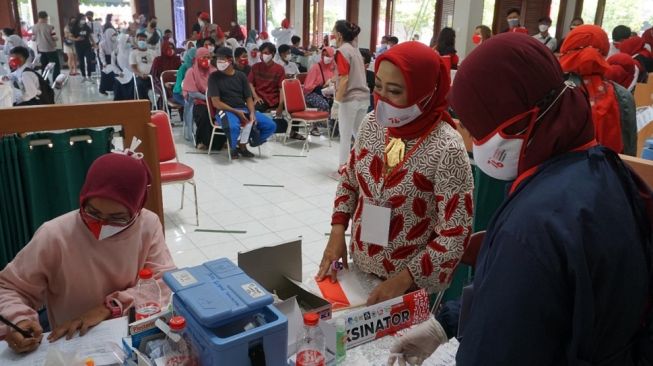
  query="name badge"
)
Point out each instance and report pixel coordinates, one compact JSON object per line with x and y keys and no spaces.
{"x":375,"y":222}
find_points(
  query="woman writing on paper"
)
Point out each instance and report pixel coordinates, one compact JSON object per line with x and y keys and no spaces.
{"x":410,"y":168}
{"x":84,"y":265}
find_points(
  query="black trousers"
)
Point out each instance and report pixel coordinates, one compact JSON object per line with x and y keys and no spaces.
{"x":47,"y":57}
{"x":86,"y":58}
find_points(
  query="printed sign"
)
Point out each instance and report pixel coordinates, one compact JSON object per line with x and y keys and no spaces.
{"x":388,"y":317}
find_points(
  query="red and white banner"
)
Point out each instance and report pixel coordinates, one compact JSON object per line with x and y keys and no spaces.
{"x":377,"y":321}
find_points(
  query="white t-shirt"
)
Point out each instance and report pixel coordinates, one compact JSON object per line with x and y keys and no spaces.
{"x":547,"y":40}
{"x":142,"y":59}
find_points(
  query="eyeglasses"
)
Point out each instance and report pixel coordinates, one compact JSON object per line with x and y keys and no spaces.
{"x":113,"y":221}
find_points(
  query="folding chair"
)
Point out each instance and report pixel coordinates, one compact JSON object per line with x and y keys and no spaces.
{"x":47,"y":70}
{"x":217,"y":130}
{"x":172,"y":171}
{"x":296,"y":111}
{"x":168,"y":80}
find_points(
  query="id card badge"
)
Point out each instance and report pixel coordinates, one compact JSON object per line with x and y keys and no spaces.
{"x":375,"y":222}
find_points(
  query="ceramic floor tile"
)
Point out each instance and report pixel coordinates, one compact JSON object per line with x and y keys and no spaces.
{"x":265,"y":240}
{"x":224,"y":250}
{"x":188,"y":258}
{"x":281,"y":223}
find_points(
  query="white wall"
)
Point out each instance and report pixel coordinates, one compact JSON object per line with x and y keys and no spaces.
{"x":51,"y":7}
{"x":365,"y":22}
{"x":163,"y":11}
{"x":467,"y":15}
{"x":297,"y":17}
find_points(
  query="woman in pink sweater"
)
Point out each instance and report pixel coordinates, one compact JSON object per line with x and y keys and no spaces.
{"x":84,"y":264}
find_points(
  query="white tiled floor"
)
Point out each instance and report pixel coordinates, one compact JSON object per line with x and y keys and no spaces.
{"x":269,"y":215}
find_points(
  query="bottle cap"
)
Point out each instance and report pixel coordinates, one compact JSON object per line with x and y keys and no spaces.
{"x":177,"y":323}
{"x":145,"y":274}
{"x":311,"y":319}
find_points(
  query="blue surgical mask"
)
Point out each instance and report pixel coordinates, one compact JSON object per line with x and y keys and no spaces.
{"x":142,"y":45}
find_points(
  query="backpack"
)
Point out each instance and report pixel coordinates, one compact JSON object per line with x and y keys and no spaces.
{"x":47,"y":93}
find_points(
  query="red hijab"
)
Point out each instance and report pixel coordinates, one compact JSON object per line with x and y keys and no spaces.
{"x":510,"y":74}
{"x":583,"y":53}
{"x":169,"y":60}
{"x":426,"y":76}
{"x":634,"y":46}
{"x":647,"y":36}
{"x":622,"y":70}
{"x":120,"y":178}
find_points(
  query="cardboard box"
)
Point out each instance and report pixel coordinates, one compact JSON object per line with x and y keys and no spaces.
{"x":278,"y":269}
{"x":274,"y":267}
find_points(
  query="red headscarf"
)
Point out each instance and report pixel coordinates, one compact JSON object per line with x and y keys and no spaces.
{"x":427,"y":81}
{"x":119,"y":178}
{"x":622,"y":70}
{"x":166,"y":61}
{"x":510,"y":74}
{"x":647,"y":36}
{"x":264,"y":36}
{"x":634,"y":46}
{"x":285,"y":24}
{"x":583,"y":53}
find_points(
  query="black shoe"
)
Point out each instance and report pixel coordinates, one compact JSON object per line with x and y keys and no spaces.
{"x":234,"y":154}
{"x":245,"y":153}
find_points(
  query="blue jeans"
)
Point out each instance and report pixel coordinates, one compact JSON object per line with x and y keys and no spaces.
{"x":265,"y":125}
{"x":188,"y":119}
{"x":178,"y":98}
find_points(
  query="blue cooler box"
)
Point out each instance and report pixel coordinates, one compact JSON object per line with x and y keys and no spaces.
{"x":229,"y":316}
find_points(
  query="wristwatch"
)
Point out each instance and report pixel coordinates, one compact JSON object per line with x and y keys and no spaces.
{"x":114,"y":307}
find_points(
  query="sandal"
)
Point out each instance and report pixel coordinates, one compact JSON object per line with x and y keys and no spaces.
{"x":315,"y":131}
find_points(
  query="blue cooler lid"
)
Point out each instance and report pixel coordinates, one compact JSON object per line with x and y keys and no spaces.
{"x":217,"y":291}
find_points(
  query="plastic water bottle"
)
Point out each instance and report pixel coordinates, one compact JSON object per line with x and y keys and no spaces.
{"x":179,"y":352}
{"x":148,"y":297}
{"x":341,"y":340}
{"x":311,"y":350}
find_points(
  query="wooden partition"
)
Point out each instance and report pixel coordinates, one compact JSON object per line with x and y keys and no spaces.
{"x":641,"y":166}
{"x":133,"y":116}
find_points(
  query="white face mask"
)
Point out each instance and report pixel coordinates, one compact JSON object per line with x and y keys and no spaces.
{"x":101,"y":231}
{"x":327,"y":60}
{"x":211,"y":49}
{"x":388,"y":115}
{"x":222,"y":65}
{"x":266,"y":57}
{"x":287,"y":57}
{"x":498,"y":154}
{"x":543,"y":28}
{"x":498,"y":157}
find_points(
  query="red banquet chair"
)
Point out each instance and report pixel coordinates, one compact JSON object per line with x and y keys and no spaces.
{"x":172,"y":171}
{"x":296,"y":111}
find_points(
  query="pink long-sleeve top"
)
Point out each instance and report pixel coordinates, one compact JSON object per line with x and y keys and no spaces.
{"x":65,"y":268}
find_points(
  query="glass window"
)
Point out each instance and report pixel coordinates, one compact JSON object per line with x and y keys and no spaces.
{"x":26,"y":16}
{"x":589,"y":11}
{"x":488,"y":13}
{"x":636,"y":14}
{"x":555,"y":9}
{"x":333,"y":10}
{"x":381,"y":25}
{"x":241,"y":12}
{"x":276,"y":13}
{"x":414,"y":18}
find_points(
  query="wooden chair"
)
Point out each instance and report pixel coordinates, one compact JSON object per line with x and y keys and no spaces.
{"x":644,"y":93}
{"x":172,"y":171}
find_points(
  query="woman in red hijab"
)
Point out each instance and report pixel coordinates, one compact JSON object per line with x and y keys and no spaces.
{"x":562,"y":276}
{"x":169,"y":60}
{"x":409,"y":163}
{"x":635,"y":47}
{"x":623,"y":71}
{"x":583,"y":54}
{"x":84,"y":265}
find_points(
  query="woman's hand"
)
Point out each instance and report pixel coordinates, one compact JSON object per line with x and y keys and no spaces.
{"x":90,"y":319}
{"x":336,"y":250}
{"x":20,"y":344}
{"x":391,"y":288}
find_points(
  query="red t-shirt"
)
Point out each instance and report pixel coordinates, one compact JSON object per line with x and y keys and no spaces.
{"x":267,"y":81}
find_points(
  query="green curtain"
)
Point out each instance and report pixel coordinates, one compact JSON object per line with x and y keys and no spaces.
{"x":42,"y":182}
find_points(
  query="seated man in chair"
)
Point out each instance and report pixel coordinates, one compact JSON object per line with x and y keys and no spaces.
{"x":230,"y":92}
{"x":141,"y":60}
